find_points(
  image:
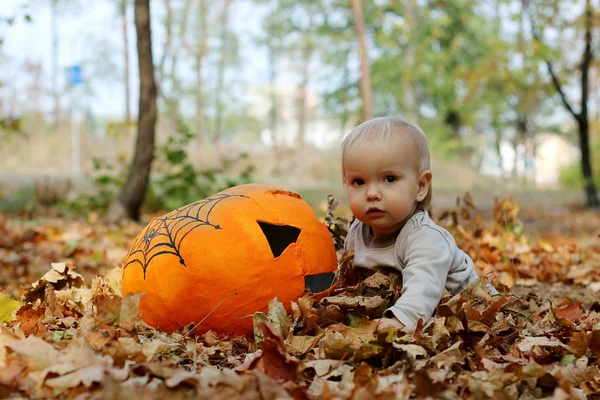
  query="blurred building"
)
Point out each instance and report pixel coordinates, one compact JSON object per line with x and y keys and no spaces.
{"x":320,"y":131}
{"x":553,"y":153}
{"x":538,"y":161}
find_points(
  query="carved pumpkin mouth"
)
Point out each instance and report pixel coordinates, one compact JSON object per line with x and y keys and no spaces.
{"x":319,"y":282}
{"x":279,"y":236}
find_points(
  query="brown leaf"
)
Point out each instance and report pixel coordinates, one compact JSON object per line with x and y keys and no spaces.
{"x":594,"y":343}
{"x":578,"y":343}
{"x":335,"y":346}
{"x":35,"y":353}
{"x":299,"y":345}
{"x":362,"y":331}
{"x":350,"y":303}
{"x":100,"y":338}
{"x":378,"y":280}
{"x":425,"y":387}
{"x":60,"y":276}
{"x":578,"y":372}
{"x":440,"y":333}
{"x":129,"y":349}
{"x":415,"y":351}
{"x":274,"y":361}
{"x":83,"y":376}
{"x":322,"y":367}
{"x":338,"y":383}
{"x":108,"y":309}
{"x":568,"y":308}
{"x":53,"y":308}
{"x":269,"y":388}
{"x":29,"y":318}
{"x":449,"y":357}
{"x":211,"y":338}
{"x":310,"y":315}
{"x":129,"y":315}
{"x":527,"y":345}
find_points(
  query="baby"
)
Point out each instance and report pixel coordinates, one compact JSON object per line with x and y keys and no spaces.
{"x":387,"y":177}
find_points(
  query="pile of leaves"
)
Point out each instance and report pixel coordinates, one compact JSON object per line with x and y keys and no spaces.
{"x":505,"y":255}
{"x":69,"y":339}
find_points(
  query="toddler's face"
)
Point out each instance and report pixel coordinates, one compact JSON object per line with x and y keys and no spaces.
{"x":383,"y":183}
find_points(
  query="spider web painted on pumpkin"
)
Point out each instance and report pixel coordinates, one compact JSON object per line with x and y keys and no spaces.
{"x":165,"y":234}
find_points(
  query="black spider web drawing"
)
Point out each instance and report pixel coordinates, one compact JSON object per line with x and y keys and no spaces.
{"x":165,"y":234}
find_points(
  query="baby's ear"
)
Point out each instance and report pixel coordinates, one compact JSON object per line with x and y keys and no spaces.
{"x":424,"y":183}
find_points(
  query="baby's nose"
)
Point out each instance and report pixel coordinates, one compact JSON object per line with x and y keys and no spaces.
{"x":373,"y":193}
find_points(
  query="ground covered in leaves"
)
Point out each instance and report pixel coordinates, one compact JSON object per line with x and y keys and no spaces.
{"x":69,"y":333}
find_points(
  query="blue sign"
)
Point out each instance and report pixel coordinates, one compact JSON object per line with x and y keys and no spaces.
{"x":75,"y":75}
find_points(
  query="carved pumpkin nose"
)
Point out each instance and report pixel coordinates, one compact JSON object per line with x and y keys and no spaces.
{"x":279,"y":236}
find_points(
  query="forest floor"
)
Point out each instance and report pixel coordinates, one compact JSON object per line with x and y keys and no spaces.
{"x":68,"y":333}
{"x":540,"y":339}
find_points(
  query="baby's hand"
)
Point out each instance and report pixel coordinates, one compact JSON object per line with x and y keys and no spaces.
{"x":385,"y":323}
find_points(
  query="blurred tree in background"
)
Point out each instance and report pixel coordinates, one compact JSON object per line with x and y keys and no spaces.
{"x":131,"y":197}
{"x":577,"y":29}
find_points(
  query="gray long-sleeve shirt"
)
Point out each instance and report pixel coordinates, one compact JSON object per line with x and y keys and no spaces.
{"x":427,"y":257}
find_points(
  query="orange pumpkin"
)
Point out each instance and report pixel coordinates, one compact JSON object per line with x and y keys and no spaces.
{"x":217,"y":261}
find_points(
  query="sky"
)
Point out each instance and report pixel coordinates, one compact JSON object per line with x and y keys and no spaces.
{"x":80,"y":34}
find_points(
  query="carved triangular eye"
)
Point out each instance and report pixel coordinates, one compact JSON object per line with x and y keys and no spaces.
{"x":279,"y":236}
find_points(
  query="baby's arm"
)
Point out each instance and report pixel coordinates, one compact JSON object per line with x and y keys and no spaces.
{"x":427,"y":259}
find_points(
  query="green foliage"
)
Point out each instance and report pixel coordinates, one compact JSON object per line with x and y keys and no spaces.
{"x":179,"y":182}
{"x":10,"y":127}
{"x":18,"y":201}
{"x":107,"y":181}
{"x":441,"y":139}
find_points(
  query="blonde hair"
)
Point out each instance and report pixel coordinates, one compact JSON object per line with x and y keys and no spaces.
{"x":381,"y":129}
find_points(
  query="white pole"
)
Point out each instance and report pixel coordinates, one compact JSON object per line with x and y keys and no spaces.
{"x":75,"y":144}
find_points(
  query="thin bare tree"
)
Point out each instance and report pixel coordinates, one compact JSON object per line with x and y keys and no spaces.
{"x":54,"y":33}
{"x":124,"y":26}
{"x":582,"y":117}
{"x":219,"y":109}
{"x":366,"y":91}
{"x":131,"y":198}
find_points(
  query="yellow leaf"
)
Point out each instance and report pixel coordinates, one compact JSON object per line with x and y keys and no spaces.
{"x":547,"y":247}
{"x":7,"y":307}
{"x":114,"y":277}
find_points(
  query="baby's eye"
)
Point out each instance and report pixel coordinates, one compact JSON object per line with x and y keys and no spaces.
{"x":358,"y":182}
{"x":390,"y":179}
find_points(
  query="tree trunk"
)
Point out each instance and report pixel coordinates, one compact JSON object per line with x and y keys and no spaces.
{"x":586,"y":165}
{"x":302,"y":90}
{"x":584,"y":125}
{"x":126,"y":60}
{"x":408,"y":96}
{"x":221,"y":72}
{"x":366,"y":92}
{"x":199,"y":55}
{"x":55,"y":93}
{"x":273,"y":115}
{"x":498,"y":143}
{"x":131,"y":198}
{"x":345,"y":113}
{"x":454,"y":121}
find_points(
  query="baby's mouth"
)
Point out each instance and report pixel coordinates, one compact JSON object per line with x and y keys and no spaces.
{"x":374,"y":210}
